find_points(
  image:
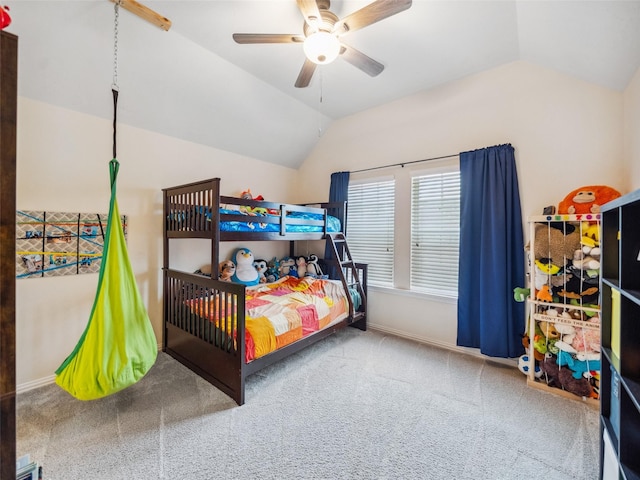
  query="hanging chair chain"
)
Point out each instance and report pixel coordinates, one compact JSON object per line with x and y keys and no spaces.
{"x":115,"y":45}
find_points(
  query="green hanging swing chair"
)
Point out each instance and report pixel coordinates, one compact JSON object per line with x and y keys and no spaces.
{"x":118,"y":346}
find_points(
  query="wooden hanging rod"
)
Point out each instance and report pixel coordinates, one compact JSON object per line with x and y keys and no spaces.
{"x":145,"y":13}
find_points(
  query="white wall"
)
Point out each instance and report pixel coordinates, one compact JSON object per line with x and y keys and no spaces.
{"x":566,"y":133}
{"x":632,"y":132}
{"x":62,"y":165}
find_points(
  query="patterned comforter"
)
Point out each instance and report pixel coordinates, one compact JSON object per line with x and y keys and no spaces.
{"x":284,"y":311}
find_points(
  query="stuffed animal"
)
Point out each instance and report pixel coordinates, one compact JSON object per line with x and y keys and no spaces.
{"x":5,"y":19}
{"x":273,"y":267}
{"x":562,"y":377}
{"x":247,"y":195}
{"x":301,"y":266}
{"x":555,"y":243}
{"x":587,"y":340}
{"x":313,"y":267}
{"x":554,"y":246}
{"x":285,"y":266}
{"x":587,"y":199}
{"x":549,"y":330}
{"x":261,"y":267}
{"x":245,"y":272}
{"x":204,"y":270}
{"x":226,"y":269}
{"x":525,"y":364}
{"x":578,"y":367}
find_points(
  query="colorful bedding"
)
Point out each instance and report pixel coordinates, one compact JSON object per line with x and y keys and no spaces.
{"x":280,"y":313}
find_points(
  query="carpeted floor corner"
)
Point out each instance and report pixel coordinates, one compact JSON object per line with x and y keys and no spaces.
{"x":358,"y":405}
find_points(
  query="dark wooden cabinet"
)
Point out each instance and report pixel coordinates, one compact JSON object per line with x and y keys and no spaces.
{"x":8,"y":109}
{"x":620,"y":379}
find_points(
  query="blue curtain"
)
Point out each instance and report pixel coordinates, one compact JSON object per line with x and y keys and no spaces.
{"x":338,"y":192}
{"x":491,"y":253}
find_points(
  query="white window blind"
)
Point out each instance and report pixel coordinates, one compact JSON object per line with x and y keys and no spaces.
{"x":370,"y":216}
{"x":435,"y":233}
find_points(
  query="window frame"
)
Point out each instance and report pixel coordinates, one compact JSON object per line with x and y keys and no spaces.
{"x":402,"y":222}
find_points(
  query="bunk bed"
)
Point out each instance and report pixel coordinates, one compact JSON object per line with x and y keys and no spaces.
{"x":204,"y":318}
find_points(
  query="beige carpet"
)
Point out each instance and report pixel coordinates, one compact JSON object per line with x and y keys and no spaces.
{"x":358,"y":405}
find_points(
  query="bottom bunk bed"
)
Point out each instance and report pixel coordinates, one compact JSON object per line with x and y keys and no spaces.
{"x":207,"y":317}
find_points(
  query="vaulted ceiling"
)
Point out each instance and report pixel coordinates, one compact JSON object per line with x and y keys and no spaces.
{"x":194,"y":82}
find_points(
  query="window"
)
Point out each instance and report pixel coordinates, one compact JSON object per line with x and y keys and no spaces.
{"x":370,"y":215}
{"x":435,"y":232}
{"x":407,"y":228}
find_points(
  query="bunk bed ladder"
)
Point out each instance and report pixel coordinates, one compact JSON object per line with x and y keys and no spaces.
{"x":349,"y":275}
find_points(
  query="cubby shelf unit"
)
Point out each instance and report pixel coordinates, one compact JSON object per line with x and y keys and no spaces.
{"x":620,"y":381}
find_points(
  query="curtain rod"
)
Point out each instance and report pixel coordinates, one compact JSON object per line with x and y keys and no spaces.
{"x":404,"y":163}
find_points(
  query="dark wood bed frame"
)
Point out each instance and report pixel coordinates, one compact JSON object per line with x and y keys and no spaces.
{"x":193,"y":211}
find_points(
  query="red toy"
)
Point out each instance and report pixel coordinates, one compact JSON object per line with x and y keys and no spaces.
{"x":5,"y":19}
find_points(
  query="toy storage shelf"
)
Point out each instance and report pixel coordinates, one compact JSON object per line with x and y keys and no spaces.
{"x":564,"y":305}
{"x":620,"y":390}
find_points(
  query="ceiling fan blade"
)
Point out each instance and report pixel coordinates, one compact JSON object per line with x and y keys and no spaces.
{"x":304,"y":77}
{"x":310,"y":12}
{"x":372,"y":13}
{"x":268,"y":38}
{"x":359,"y":60}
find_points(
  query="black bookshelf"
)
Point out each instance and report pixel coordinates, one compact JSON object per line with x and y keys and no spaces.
{"x":620,"y":374}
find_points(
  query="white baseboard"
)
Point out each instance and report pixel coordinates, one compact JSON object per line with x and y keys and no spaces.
{"x":41,"y":382}
{"x":428,"y":341}
{"x":48,"y":380}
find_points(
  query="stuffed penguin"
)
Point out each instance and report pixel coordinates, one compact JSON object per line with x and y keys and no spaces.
{"x":261,"y":267}
{"x":313,"y":268}
{"x":245,"y":273}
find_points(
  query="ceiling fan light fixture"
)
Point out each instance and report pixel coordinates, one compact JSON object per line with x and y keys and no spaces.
{"x":321,"y":47}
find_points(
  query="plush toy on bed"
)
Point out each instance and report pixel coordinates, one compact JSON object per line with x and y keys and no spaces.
{"x":247,"y":195}
{"x":301,"y":266}
{"x":587,"y":199}
{"x":261,"y":267}
{"x":313,"y":267}
{"x":272,"y":272}
{"x":245,"y":272}
{"x":286,"y":265}
{"x":226,"y":269}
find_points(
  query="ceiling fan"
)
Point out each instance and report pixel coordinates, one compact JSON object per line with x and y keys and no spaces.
{"x":322,"y":34}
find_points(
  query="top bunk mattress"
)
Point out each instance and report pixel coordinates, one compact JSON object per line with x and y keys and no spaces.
{"x":257,"y":223}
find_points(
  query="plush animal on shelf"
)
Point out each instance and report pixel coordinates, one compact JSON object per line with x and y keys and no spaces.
{"x":562,"y":377}
{"x":226,"y":269}
{"x":520,"y":294}
{"x":587,"y":199}
{"x":587,"y":339}
{"x":555,"y":244}
{"x":525,"y":365}
{"x":261,"y":267}
{"x":578,"y":367}
{"x":245,"y":272}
